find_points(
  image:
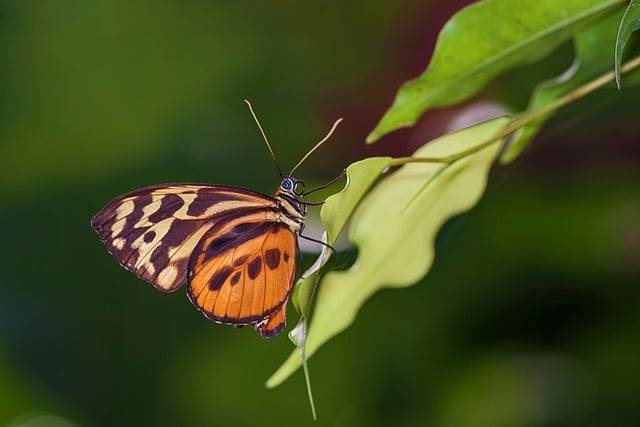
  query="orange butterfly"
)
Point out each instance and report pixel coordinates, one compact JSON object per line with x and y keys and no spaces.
{"x":236,"y":250}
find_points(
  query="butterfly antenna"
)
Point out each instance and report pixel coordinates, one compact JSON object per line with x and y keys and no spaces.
{"x":333,"y":128}
{"x":264,"y":136}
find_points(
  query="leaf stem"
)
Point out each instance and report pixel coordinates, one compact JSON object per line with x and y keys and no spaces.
{"x":521,"y":120}
{"x":528,"y":117}
{"x":399,"y":161}
{"x":307,"y":380}
{"x":298,"y":335}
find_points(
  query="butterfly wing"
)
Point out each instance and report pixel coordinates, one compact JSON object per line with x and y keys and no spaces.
{"x":275,"y":323}
{"x":243,"y":274}
{"x":153,"y":231}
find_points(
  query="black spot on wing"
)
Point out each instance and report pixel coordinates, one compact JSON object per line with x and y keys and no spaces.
{"x":148,"y":237}
{"x":272,"y":258}
{"x":254,"y":267}
{"x":219,"y":278}
{"x":240,"y":260}
{"x":236,"y":278}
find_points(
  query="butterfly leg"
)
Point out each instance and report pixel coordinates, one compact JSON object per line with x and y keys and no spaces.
{"x":320,"y":242}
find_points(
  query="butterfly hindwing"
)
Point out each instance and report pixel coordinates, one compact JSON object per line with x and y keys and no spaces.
{"x":154,"y":231}
{"x":244,"y":274}
{"x":274,"y":324}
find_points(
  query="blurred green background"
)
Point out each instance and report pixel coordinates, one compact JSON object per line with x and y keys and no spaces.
{"x":530,"y":317}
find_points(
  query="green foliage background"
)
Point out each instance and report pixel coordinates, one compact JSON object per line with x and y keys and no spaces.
{"x":528,"y":317}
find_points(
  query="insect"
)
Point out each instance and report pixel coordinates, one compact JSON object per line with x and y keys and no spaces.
{"x":236,"y":250}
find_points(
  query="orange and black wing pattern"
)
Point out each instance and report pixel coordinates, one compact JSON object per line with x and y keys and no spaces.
{"x":153,"y":231}
{"x":243,"y":273}
{"x":225,"y":242}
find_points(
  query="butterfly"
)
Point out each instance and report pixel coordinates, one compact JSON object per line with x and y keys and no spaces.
{"x":236,"y":250}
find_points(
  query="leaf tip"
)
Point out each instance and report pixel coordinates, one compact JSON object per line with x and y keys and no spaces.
{"x":293,"y":362}
{"x":372,"y":137}
{"x":274,"y":381}
{"x":390,"y":122}
{"x":381,"y":129}
{"x":270,"y":383}
{"x":507,"y":158}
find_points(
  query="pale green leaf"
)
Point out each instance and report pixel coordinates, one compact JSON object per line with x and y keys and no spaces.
{"x":304,"y":287}
{"x":593,"y":58}
{"x":338,"y":208}
{"x":629,"y":23}
{"x":395,"y":227}
{"x":335,"y":213}
{"x":482,"y":41}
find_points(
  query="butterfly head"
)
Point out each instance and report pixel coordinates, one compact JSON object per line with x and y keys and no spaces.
{"x":291,"y":197}
{"x":292,"y":186}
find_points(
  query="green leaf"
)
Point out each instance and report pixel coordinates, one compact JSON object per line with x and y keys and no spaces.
{"x":335,"y":213}
{"x":338,"y":208}
{"x":395,"y":227}
{"x":482,"y":41}
{"x":629,"y":23}
{"x":593,"y":58}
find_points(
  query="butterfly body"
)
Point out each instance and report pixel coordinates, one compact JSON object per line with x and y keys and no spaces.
{"x":236,"y":250}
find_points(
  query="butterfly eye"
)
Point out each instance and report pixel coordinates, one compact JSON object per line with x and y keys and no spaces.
{"x":287,"y":185}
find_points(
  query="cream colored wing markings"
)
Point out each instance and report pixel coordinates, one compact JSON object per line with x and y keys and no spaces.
{"x":214,"y":210}
{"x":123,"y":211}
{"x":183,"y":205}
{"x":167,"y":273}
{"x":125,"y":205}
{"x":153,"y":231}
{"x":173,"y":276}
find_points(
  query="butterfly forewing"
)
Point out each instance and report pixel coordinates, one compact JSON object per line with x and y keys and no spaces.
{"x":154,"y":231}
